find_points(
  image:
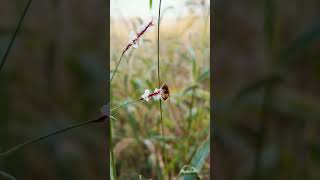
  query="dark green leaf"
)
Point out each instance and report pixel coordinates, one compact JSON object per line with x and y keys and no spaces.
{"x":201,"y":155}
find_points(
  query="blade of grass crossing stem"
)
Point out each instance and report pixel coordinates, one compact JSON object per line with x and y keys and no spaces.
{"x":160,"y":107}
{"x":5,"y":56}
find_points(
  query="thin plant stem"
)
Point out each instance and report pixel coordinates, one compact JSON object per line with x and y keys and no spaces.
{"x":114,"y":72}
{"x":264,"y":121}
{"x":110,"y":139}
{"x":158,"y":45}
{"x":112,"y":155}
{"x":159,"y":82}
{"x":5,"y":56}
{"x":190,"y":108}
{"x":190,"y":118}
{"x":127,"y":103}
{"x":32,"y":141}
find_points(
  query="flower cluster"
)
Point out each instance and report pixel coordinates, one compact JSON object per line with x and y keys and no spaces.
{"x":156,"y":95}
{"x":135,"y":39}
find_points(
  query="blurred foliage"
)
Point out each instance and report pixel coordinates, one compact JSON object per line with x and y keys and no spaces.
{"x":266,"y":89}
{"x":184,"y":67}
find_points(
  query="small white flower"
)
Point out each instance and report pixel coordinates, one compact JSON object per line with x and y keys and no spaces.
{"x":132,"y":36}
{"x":135,"y":44}
{"x":104,"y":110}
{"x":146,"y":94}
{"x":159,"y":95}
{"x":152,"y":19}
{"x":140,"y":41}
{"x":141,"y":28}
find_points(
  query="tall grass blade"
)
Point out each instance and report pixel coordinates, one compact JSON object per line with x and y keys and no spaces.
{"x":159,"y":82}
{"x":32,"y":141}
{"x":201,"y":155}
{"x":5,"y":56}
{"x":114,"y":72}
{"x":191,"y":171}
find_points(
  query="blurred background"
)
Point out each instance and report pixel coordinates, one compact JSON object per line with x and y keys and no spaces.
{"x":266,"y":89}
{"x":184,"y":67}
{"x":54,"y":77}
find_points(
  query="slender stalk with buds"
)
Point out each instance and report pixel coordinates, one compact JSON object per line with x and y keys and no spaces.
{"x":135,"y":41}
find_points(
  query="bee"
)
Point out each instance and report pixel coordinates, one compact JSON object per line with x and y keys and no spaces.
{"x":166,"y":92}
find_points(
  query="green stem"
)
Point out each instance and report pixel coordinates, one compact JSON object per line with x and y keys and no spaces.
{"x":125,"y":104}
{"x":110,"y":138}
{"x":190,"y":108}
{"x":32,"y":141}
{"x":5,"y":56}
{"x":190,"y":119}
{"x":160,"y":107}
{"x":112,"y":155}
{"x":264,"y":122}
{"x":114,"y":72}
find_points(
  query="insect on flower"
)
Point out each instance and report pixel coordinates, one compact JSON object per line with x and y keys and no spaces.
{"x":158,"y":94}
{"x":166,"y":92}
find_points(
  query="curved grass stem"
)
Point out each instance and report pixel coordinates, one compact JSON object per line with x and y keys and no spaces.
{"x":114,"y":72}
{"x":32,"y":141}
{"x":5,"y":56}
{"x":127,"y":103}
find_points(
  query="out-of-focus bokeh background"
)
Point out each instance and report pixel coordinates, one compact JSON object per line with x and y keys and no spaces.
{"x":184,"y":67}
{"x":55,"y":76}
{"x":266,"y":89}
